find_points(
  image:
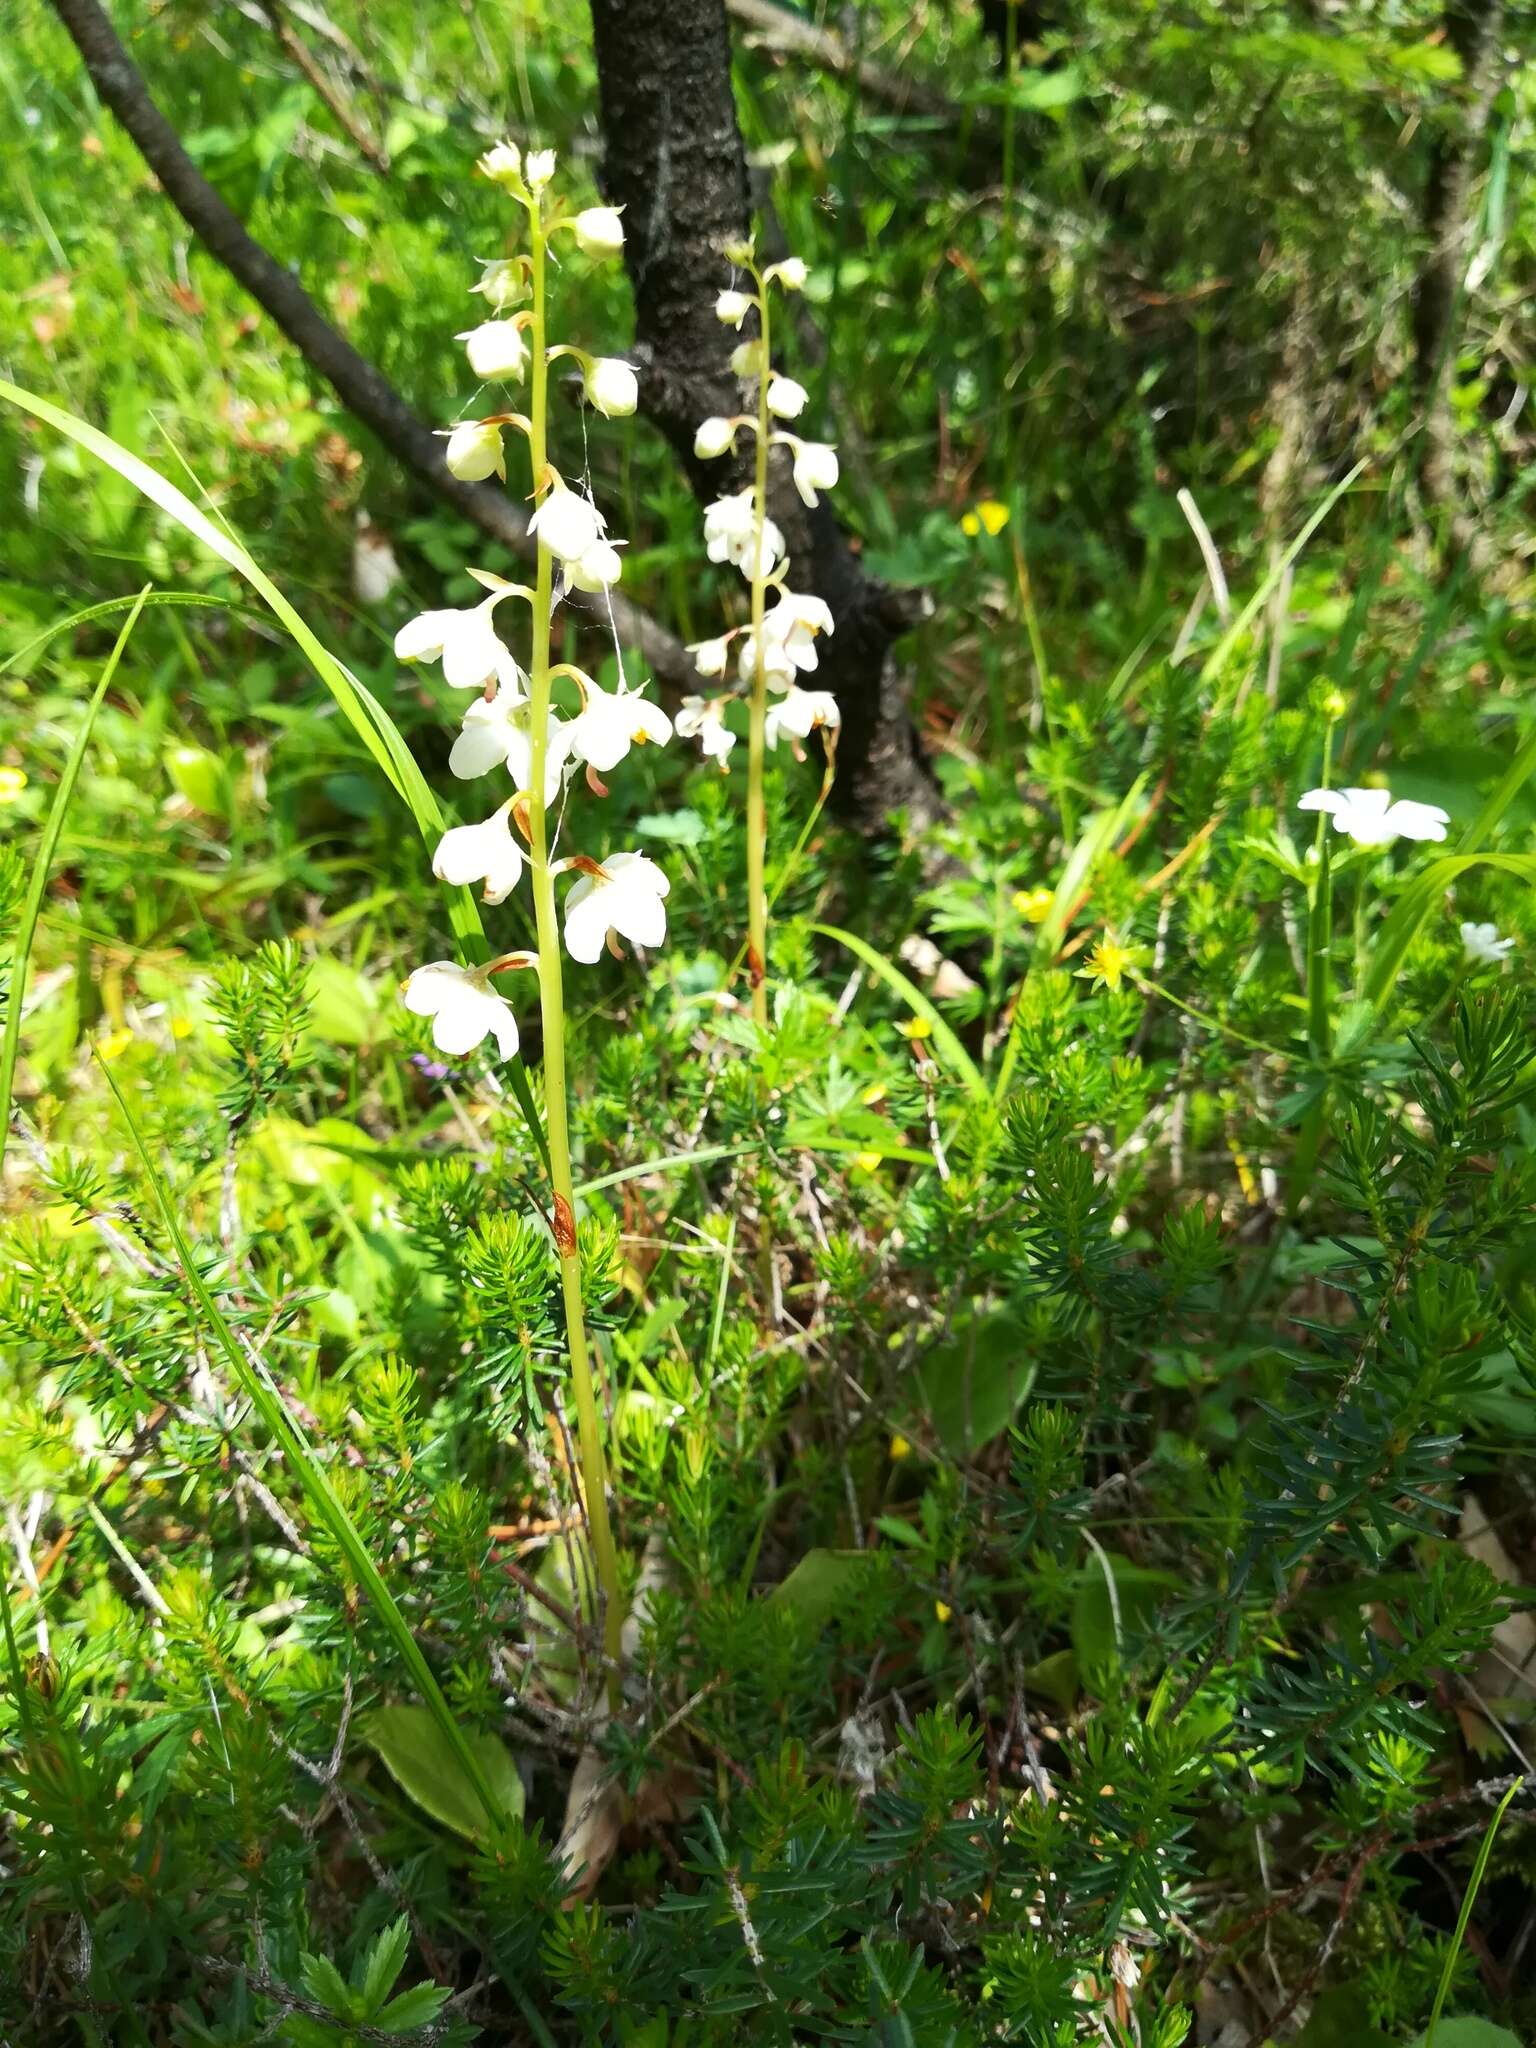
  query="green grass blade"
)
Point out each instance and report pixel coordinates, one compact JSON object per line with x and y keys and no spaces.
{"x":37,"y":886}
{"x":944,"y":1038}
{"x":250,"y":1376}
{"x":367,"y":717}
{"x":186,"y":599}
{"x":1468,"y":1900}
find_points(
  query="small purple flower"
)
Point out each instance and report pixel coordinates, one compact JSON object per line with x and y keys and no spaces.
{"x":434,"y":1070}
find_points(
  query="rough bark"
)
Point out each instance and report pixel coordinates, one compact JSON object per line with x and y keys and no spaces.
{"x":1472,"y":28}
{"x":673,"y":158}
{"x":359,"y":384}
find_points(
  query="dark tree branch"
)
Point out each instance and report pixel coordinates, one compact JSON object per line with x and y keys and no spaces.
{"x":359,"y":384}
{"x":673,"y":158}
{"x":791,"y":35}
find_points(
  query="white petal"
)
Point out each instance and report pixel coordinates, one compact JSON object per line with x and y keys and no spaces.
{"x":486,"y":853}
{"x":472,"y":654}
{"x":586,"y":922}
{"x":1321,"y":800}
{"x":786,"y":399}
{"x":1410,"y":820}
{"x":421,"y":638}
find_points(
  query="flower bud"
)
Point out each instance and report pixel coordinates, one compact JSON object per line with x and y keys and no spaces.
{"x":714,"y":437}
{"x":732,"y":307}
{"x":747,"y":361}
{"x":786,"y":398}
{"x":612,"y":387}
{"x":496,"y":350}
{"x":599,"y":231}
{"x":474,"y":452}
{"x":737,"y":251}
{"x":503,"y":165}
{"x":791,"y":274}
{"x":815,"y":469}
{"x":539,"y":168}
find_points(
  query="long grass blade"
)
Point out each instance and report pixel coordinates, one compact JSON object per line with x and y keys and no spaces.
{"x":37,"y":886}
{"x":328,"y":1510}
{"x":944,"y":1038}
{"x":1468,"y":1900}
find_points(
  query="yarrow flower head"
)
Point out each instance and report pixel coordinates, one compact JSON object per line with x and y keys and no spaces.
{"x":463,"y":1007}
{"x":1482,"y":945}
{"x":625,"y":895}
{"x":1371,"y":817}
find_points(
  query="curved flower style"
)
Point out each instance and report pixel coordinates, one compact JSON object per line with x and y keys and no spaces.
{"x":626,"y":896}
{"x":1480,"y":942}
{"x":1372,"y":818}
{"x":610,"y":722}
{"x":703,"y":719}
{"x":482,"y":853}
{"x":799,"y":712}
{"x":464,"y":1009}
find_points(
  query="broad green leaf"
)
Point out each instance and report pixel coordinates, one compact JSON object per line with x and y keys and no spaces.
{"x":972,"y":1384}
{"x":1470,"y":2032}
{"x":1137,"y":1592}
{"x":821,"y":1582}
{"x":424,"y":1765}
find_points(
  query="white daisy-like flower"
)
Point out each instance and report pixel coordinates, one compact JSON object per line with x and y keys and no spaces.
{"x":791,"y":274}
{"x":703,"y":719}
{"x":1371,"y":817}
{"x":799,"y":712}
{"x":496,"y":734}
{"x":627,"y":897}
{"x":464,"y":1009}
{"x":794,"y":623}
{"x":715,"y":435}
{"x":464,"y":640}
{"x":496,"y":350}
{"x":599,"y":231}
{"x":814,"y":467}
{"x":787,"y":399}
{"x":568,"y":523}
{"x":711,"y":656}
{"x":732,"y":307}
{"x":610,"y":722}
{"x":612,"y":387}
{"x":474,"y":452}
{"x":729,"y":527}
{"x":1480,"y":942}
{"x":486,"y":853}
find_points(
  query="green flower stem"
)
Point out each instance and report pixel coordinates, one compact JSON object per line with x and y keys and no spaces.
{"x":757,"y":812}
{"x":594,"y":1469}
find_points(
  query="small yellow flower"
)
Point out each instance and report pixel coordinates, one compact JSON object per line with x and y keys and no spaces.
{"x":12,"y":782}
{"x":989,"y":516}
{"x":942,"y":1612}
{"x":114,"y":1045}
{"x":876,"y":1092}
{"x":1034,"y":904}
{"x":1110,"y":962}
{"x":917,"y":1027}
{"x":181,"y":1027}
{"x":900,"y":1448}
{"x":868,"y":1160}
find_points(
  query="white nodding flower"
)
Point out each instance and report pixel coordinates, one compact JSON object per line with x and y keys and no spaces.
{"x":703,"y":719}
{"x":503,"y":165}
{"x":501,"y":284}
{"x":595,"y":568}
{"x":568,"y":523}
{"x":814,"y":468}
{"x":786,"y":399}
{"x":729,"y":527}
{"x":1480,"y":942}
{"x":732,"y":307}
{"x":710,"y":658}
{"x":486,"y":853}
{"x":496,"y":734}
{"x":714,"y":437}
{"x":799,"y":713}
{"x":791,"y":274}
{"x":612,"y":387}
{"x":599,"y":231}
{"x":610,"y":722}
{"x":778,"y":665}
{"x":496,"y":350}
{"x":627,"y":898}
{"x":794,"y":623}
{"x":747,"y":358}
{"x":465,"y":641}
{"x":1371,"y":817}
{"x":539,"y":168}
{"x":474,"y":452}
{"x":464,"y":1009}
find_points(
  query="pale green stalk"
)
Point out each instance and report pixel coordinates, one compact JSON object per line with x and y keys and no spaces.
{"x":757,"y":810}
{"x":594,"y":1469}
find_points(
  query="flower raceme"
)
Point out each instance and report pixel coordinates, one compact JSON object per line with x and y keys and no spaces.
{"x":1372,"y":817}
